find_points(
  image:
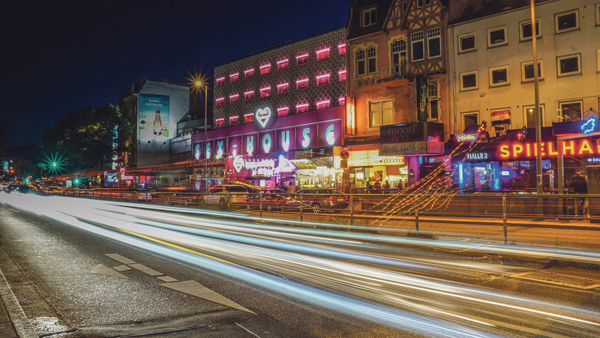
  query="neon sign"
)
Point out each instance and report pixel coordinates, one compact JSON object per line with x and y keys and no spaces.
{"x":589,"y":126}
{"x":220,"y":149}
{"x":330,"y":135}
{"x":285,"y":140}
{"x":196,"y":151}
{"x":465,"y":137}
{"x":305,"y":137}
{"x":238,"y":163}
{"x":263,"y":116}
{"x":266,"y":143}
{"x":250,"y":145}
{"x":572,"y":148}
{"x":208,"y":152}
{"x":261,"y":167}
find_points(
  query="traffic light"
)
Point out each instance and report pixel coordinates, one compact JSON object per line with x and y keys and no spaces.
{"x":76,"y":181}
{"x":54,"y":164}
{"x":522,"y":135}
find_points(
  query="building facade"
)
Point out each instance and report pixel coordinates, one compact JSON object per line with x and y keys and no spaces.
{"x":279,"y":115}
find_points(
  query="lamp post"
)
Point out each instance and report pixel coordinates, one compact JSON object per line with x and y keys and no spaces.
{"x":200,"y":84}
{"x":538,"y":116}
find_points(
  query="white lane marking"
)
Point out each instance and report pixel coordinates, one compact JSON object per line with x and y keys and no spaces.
{"x":122,"y":268}
{"x":120,"y":258}
{"x":104,"y":270}
{"x":15,"y":312}
{"x":146,"y":270}
{"x":250,"y":332}
{"x":167,"y":279}
{"x":196,"y":289}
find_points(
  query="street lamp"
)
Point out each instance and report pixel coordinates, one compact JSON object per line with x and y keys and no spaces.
{"x":200,"y":83}
{"x":538,"y":117}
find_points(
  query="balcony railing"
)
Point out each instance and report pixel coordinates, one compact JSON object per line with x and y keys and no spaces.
{"x":384,"y":73}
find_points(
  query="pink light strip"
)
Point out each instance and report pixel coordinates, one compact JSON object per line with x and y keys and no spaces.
{"x":221,"y":78}
{"x":248,"y":71}
{"x":322,"y":76}
{"x":303,"y":80}
{"x":266,"y":88}
{"x":301,"y":56}
{"x":234,"y":95}
{"x":342,"y":72}
{"x":234,"y":74}
{"x":232,"y":118}
{"x":249,"y":114}
{"x":221,"y":119}
{"x":282,"y":61}
{"x":284,"y":108}
{"x":220,"y":99}
{"x":323,"y":50}
{"x":302,"y":105}
{"x":283,"y":84}
{"x":322,"y":102}
{"x":341,"y":45}
{"x":250,"y":92}
{"x":265,"y":66}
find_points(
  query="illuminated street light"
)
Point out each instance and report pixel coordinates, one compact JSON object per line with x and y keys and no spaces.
{"x":201,"y":83}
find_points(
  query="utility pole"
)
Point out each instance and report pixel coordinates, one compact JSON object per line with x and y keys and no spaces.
{"x":538,"y":116}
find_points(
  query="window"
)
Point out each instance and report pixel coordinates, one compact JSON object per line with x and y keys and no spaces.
{"x":342,"y":74}
{"x":416,"y":40}
{"x":525,"y":31}
{"x":529,"y":116}
{"x":282,"y":64}
{"x":598,"y":60}
{"x":341,"y":100}
{"x":497,"y":36}
{"x":398,"y":55}
{"x":282,"y":88}
{"x":248,"y":73}
{"x":219,"y":101}
{"x":381,"y":113}
{"x":466,"y":43}
{"x":248,"y":117}
{"x":598,"y":14}
{"x":283,"y":111}
{"x":301,"y":108}
{"x":265,"y":92}
{"x":427,"y":2}
{"x":468,"y":81}
{"x":372,"y":60}
{"x":419,"y":3}
{"x":433,"y":96}
{"x":220,"y":81}
{"x":220,"y":122}
{"x":360,"y":62}
{"x":469,"y":119}
{"x":302,"y":59}
{"x":342,"y":49}
{"x":499,"y":76}
{"x":249,"y":95}
{"x":569,"y":65}
{"x":434,"y":42}
{"x":234,"y":77}
{"x":570,"y":111}
{"x":323,"y":80}
{"x":234,"y":98}
{"x":323,"y":54}
{"x":323,"y":104}
{"x":369,"y":17}
{"x":527,"y":71}
{"x":265,"y":69}
{"x":233,"y":120}
{"x":567,"y":21}
{"x":301,"y":84}
{"x":404,"y":6}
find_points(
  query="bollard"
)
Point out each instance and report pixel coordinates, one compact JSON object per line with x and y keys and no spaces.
{"x":351,"y":209}
{"x":260,"y":199}
{"x":162,"y":201}
{"x":301,"y":208}
{"x":417,"y":220}
{"x":504,"y":219}
{"x":229,"y":203}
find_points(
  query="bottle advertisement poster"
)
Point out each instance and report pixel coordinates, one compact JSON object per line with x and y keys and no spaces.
{"x":153,"y":127}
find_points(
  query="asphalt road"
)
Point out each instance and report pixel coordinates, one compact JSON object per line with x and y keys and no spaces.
{"x":108,"y":269}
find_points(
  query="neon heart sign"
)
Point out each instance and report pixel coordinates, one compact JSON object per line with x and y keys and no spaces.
{"x":238,"y":163}
{"x":263,"y":116}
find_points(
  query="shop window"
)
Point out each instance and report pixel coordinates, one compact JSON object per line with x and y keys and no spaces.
{"x":219,"y":101}
{"x":323,"y":54}
{"x":265,"y":69}
{"x":265,"y":92}
{"x":529,"y":116}
{"x":418,"y":46}
{"x":282,"y":88}
{"x":525,"y":31}
{"x":220,"y":81}
{"x":360,"y":63}
{"x":249,"y":117}
{"x":468,"y":81}
{"x":499,"y":76}
{"x":342,"y":75}
{"x":342,"y":100}
{"x":220,"y":122}
{"x":249,"y":95}
{"x":434,"y":42}
{"x":381,"y":113}
{"x":467,"y":43}
{"x":527,"y":74}
{"x":301,"y":108}
{"x":570,"y":111}
{"x":233,"y":120}
{"x":323,"y":80}
{"x":234,"y":77}
{"x":342,"y":49}
{"x":248,"y":73}
{"x":566,"y":22}
{"x":433,"y":96}
{"x":372,"y":60}
{"x":323,"y":104}
{"x":496,"y":36}
{"x":283,"y":111}
{"x":302,"y":59}
{"x":470,"y":119}
{"x":234,"y":98}
{"x":282,"y":64}
{"x":369,"y":17}
{"x":301,"y":84}
{"x":399,"y":56}
{"x":569,"y":65}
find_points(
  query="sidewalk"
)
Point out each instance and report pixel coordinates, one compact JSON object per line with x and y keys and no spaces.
{"x":13,"y":322}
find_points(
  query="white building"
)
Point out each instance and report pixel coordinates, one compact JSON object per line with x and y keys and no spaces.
{"x":491,"y":62}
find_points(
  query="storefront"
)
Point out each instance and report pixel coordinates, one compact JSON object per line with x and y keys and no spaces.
{"x":368,"y":166}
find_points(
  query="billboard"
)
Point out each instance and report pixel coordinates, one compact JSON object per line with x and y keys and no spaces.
{"x":153,"y":132}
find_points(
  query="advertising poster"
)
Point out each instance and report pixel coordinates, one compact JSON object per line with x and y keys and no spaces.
{"x":153,"y":132}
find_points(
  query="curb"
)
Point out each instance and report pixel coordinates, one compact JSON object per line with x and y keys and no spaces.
{"x":17,"y":317}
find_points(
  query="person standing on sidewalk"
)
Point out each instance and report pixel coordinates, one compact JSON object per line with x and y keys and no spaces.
{"x":579,"y":184}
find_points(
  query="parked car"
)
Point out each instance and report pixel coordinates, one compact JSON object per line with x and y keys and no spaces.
{"x":321,"y":199}
{"x":225,"y":194}
{"x":271,"y":199}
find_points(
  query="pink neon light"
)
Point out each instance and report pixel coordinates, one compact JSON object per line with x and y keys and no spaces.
{"x":303,"y":80}
{"x":220,"y":120}
{"x":341,"y":101}
{"x":284,"y":60}
{"x":249,"y":92}
{"x":322,"y":76}
{"x":323,"y":50}
{"x":323,"y":102}
{"x":234,"y":74}
{"x":342,"y":71}
{"x":221,"y":79}
{"x":233,"y":118}
{"x":234,"y":95}
{"x":302,"y":56}
{"x":249,"y":70}
{"x":249,"y":114}
{"x":302,"y":105}
{"x":283,"y":109}
{"x":341,"y":45}
{"x":265,"y":66}
{"x":265,"y":88}
{"x":283,"y":84}
{"x":220,"y":99}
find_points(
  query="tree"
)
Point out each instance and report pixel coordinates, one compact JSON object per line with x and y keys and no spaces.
{"x":3,"y":138}
{"x":84,"y":138}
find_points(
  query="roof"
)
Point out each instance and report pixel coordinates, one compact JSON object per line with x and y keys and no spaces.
{"x":354,"y":29}
{"x":481,"y":8}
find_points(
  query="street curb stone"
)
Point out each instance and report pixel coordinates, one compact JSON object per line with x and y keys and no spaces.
{"x":22,"y":325}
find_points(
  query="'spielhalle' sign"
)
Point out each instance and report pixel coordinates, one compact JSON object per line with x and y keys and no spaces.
{"x":581,"y":148}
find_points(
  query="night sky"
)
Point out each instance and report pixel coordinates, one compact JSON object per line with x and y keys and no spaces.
{"x":58,"y":56}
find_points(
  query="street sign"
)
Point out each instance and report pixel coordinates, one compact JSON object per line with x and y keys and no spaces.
{"x":345,"y":154}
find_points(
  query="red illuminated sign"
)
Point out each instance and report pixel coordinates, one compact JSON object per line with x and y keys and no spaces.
{"x":579,"y":148}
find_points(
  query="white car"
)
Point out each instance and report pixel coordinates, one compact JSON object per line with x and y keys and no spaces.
{"x":225,"y":194}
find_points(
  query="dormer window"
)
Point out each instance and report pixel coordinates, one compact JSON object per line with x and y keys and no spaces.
{"x":301,"y":108}
{"x":283,"y":111}
{"x":265,"y":69}
{"x":220,"y":122}
{"x":342,"y":75}
{"x":233,"y":120}
{"x":301,"y":84}
{"x":323,"y":80}
{"x":234,"y":98}
{"x":219,"y":101}
{"x":342,"y":49}
{"x":282,"y":88}
{"x":220,"y":81}
{"x":249,"y":117}
{"x":234,"y":77}
{"x":323,"y":54}
{"x":248,"y":73}
{"x":302,"y":59}
{"x":282,"y":64}
{"x":265,"y":92}
{"x":369,"y":17}
{"x":323,"y":104}
{"x":249,"y":95}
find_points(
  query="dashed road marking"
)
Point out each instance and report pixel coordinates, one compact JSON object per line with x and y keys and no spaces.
{"x":104,"y":270}
{"x":196,"y":289}
{"x":167,"y":279}
{"x":120,"y":258}
{"x":122,"y":268}
{"x":146,"y":270}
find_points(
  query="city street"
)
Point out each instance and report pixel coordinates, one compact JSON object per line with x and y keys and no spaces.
{"x":109,"y":269}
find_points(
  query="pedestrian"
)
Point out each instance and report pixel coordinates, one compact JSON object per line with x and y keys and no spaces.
{"x":579,"y":185}
{"x":369,"y":185}
{"x":386,"y":185}
{"x":377,"y":185}
{"x":290,"y":188}
{"x":399,"y":186}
